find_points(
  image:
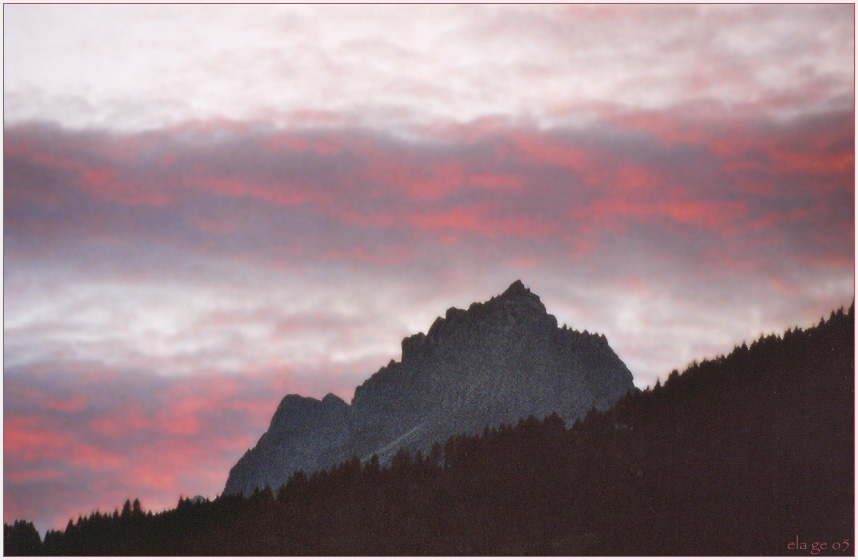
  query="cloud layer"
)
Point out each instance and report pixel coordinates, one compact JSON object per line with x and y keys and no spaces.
{"x":396,"y":66}
{"x":198,"y":267}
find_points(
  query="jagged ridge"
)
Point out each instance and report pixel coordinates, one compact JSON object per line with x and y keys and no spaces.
{"x":496,"y":362}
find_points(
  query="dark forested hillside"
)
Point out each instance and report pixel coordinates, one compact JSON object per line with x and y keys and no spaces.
{"x":747,"y":454}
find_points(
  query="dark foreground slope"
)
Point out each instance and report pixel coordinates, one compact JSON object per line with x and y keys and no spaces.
{"x":748,"y":454}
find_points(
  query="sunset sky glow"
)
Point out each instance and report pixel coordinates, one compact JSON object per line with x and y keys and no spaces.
{"x":209,"y":207}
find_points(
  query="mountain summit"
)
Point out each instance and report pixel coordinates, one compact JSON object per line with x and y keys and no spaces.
{"x":495,"y":362}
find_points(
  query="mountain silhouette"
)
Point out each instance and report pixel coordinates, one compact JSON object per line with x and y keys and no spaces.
{"x":747,"y":454}
{"x":493,"y":363}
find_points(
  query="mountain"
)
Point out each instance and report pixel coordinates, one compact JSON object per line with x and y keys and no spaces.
{"x":493,"y":363}
{"x":747,"y":454}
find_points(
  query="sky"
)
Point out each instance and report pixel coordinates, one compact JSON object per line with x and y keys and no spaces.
{"x":209,"y":207}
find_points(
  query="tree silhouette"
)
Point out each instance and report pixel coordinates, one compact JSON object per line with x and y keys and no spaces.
{"x":21,"y":539}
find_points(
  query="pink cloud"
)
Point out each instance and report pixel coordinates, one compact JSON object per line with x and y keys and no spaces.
{"x":157,"y":441}
{"x":73,"y":404}
{"x":375,"y":256}
{"x":25,"y":437}
{"x":523,"y":262}
{"x":616,"y":211}
{"x":35,"y":475}
{"x":475,"y":188}
{"x":94,"y":457}
{"x":277,"y":193}
{"x":536,"y":149}
{"x":133,"y":419}
{"x":285,"y":142}
{"x":219,"y":226}
{"x":102,"y":182}
{"x":495,"y":183}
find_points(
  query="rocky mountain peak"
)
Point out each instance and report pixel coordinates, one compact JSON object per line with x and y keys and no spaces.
{"x":516,"y":291}
{"x":332,"y":400}
{"x":518,"y":295}
{"x":517,"y":306}
{"x":497,"y":361}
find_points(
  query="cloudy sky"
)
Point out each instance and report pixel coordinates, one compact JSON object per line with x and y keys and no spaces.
{"x":209,"y":207}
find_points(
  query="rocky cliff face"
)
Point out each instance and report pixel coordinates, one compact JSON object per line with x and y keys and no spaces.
{"x":496,"y":362}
